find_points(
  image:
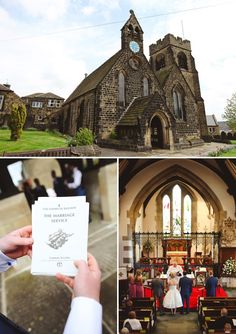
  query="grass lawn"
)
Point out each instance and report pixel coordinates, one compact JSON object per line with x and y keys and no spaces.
{"x":231,"y":153}
{"x":31,"y":140}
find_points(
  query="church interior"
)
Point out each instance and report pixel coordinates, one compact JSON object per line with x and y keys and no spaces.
{"x":177,"y":212}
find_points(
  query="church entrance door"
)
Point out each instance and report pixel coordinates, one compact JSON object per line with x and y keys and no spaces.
{"x":156,"y":133}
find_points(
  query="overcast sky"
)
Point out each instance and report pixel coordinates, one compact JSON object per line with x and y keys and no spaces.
{"x":45,"y":45}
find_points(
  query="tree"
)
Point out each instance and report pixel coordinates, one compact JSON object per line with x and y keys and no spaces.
{"x":230,"y":112}
{"x":17,"y":120}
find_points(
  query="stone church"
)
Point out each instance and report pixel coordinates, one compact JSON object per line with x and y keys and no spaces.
{"x":134,"y":103}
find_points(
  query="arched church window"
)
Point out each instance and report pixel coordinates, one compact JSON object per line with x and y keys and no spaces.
{"x":182,"y":60}
{"x":166,"y":213}
{"x":176,"y":211}
{"x":80,"y":121}
{"x":136,"y":30}
{"x":187,"y":214}
{"x":121,"y":86}
{"x":145,"y":87}
{"x":131,"y":28}
{"x":178,"y":101}
{"x":160,"y":62}
{"x":88,"y":114}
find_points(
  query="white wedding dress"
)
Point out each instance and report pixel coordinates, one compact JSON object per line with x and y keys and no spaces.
{"x":172,"y":298}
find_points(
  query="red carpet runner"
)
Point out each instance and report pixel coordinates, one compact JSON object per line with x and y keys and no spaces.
{"x":197,"y":292}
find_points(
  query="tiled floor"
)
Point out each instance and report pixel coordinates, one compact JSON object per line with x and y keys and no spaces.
{"x":182,"y":324}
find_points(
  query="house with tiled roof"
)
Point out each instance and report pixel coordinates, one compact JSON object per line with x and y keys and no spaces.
{"x":224,"y":127}
{"x":42,"y":110}
{"x":144,"y":103}
{"x":212,"y":125}
{"x":7,"y":98}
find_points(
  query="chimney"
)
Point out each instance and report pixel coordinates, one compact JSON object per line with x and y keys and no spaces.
{"x":7,"y":85}
{"x":85,"y":75}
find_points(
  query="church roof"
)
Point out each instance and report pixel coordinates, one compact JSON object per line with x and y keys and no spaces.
{"x":92,"y":81}
{"x":137,"y":108}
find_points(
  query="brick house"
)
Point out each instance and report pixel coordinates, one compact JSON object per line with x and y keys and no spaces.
{"x":42,"y":110}
{"x":7,"y":98}
{"x":146,"y":104}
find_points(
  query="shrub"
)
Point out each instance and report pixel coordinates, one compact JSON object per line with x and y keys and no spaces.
{"x":83,"y":137}
{"x":17,"y":120}
{"x":113,"y":135}
{"x":4,"y":127}
{"x":31,"y":129}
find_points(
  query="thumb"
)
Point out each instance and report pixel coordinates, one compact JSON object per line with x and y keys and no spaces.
{"x":23,"y":241}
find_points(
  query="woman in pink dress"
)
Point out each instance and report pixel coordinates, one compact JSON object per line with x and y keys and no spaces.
{"x":132,"y":286}
{"x":139,"y":285}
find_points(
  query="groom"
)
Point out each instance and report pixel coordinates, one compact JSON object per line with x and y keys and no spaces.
{"x":185,"y":285}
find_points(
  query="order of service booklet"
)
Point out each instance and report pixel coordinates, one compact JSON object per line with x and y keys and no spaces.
{"x":60,"y":233}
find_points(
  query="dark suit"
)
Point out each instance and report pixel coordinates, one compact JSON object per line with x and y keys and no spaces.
{"x":185,"y":285}
{"x":221,"y":321}
{"x":158,"y":291}
{"x":211,"y":285}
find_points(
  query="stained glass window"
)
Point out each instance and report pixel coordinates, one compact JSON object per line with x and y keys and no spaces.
{"x":187,"y":214}
{"x":166,"y":213}
{"x":176,"y":195}
{"x":176,"y":211}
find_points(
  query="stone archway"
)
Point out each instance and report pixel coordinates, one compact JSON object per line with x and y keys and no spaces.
{"x":159,"y":133}
{"x":178,"y":174}
{"x":156,"y":133}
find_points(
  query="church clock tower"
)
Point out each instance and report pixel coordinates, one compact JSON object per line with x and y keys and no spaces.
{"x":132,"y":35}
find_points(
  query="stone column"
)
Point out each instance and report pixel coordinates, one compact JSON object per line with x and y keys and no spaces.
{"x":107,"y":178}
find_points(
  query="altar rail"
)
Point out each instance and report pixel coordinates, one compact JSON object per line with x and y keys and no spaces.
{"x":145,"y":244}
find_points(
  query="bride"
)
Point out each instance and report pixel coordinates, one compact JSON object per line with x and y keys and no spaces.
{"x":172,"y":299}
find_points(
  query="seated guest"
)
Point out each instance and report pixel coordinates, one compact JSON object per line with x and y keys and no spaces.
{"x":128,"y":307}
{"x":223,"y":319}
{"x":211,"y":284}
{"x":227,"y":328}
{"x":132,"y":323}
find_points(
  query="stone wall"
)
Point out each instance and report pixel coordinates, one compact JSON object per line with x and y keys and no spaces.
{"x":79,"y":113}
{"x":110,"y":111}
{"x":14,"y":212}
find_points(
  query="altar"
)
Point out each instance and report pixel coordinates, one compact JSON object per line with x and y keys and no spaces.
{"x":176,"y":249}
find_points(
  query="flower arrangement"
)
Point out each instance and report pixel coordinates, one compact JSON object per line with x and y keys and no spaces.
{"x":148,"y":246}
{"x":229,"y":267}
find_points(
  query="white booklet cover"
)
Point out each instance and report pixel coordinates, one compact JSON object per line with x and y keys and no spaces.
{"x":60,"y":233}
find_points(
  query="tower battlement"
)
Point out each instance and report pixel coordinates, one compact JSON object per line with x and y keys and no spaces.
{"x":170,"y":40}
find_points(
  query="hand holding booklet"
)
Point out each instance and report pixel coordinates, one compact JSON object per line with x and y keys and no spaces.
{"x":60,"y":233}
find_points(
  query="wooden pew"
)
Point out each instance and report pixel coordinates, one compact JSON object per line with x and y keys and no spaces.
{"x":209,"y":324}
{"x":215,"y":304}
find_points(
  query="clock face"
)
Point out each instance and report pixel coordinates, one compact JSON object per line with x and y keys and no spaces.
{"x":134,"y":46}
